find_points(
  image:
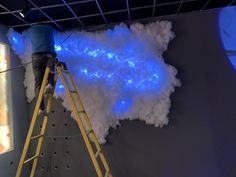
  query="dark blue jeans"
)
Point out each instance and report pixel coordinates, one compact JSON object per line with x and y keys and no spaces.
{"x":39,"y":62}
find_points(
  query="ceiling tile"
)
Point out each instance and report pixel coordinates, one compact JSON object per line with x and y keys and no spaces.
{"x":140,"y":3}
{"x":46,"y":2}
{"x":218,"y":3}
{"x":58,"y":12}
{"x":91,"y":21}
{"x":192,"y":6}
{"x":35,"y":16}
{"x":85,"y":8}
{"x":2,"y":10}
{"x":112,"y":5}
{"x":12,"y":5}
{"x":117,"y":17}
{"x":166,"y":9}
{"x":69,"y":24}
{"x":90,"y":9}
{"x":9,"y":20}
{"x":78,"y":1}
{"x":167,"y":1}
{"x":141,"y":13}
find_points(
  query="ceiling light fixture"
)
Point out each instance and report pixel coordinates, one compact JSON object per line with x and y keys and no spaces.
{"x":26,"y":10}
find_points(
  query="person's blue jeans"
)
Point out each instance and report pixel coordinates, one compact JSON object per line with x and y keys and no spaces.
{"x":39,"y":62}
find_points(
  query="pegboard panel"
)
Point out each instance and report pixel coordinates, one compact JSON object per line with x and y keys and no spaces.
{"x":63,"y":151}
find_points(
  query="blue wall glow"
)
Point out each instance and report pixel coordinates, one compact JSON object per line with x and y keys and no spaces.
{"x":227,"y":26}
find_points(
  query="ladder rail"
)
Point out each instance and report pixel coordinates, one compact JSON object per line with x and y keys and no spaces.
{"x":33,"y":121}
{"x":86,"y":119}
{"x":79,"y":122}
{"x":43,"y":130}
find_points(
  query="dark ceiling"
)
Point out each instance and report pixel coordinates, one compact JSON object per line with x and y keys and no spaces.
{"x":82,"y":14}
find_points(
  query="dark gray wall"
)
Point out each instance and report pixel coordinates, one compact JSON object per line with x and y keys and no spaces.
{"x":200,"y":140}
{"x":9,"y":160}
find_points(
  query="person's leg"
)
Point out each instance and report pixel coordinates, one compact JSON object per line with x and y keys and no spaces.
{"x":39,"y":70}
{"x":49,"y":61}
{"x":51,"y":75}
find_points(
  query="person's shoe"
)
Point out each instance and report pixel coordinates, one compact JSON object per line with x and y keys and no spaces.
{"x":41,"y":112}
{"x":48,"y":89}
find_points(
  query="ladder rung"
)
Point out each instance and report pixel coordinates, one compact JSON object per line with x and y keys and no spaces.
{"x":65,"y":71}
{"x":48,"y":93}
{"x":107,"y":173}
{"x":89,"y":131}
{"x":97,"y":153}
{"x":83,"y":111}
{"x":73,"y":91}
{"x":30,"y":159}
{"x":37,"y":136}
{"x":53,"y":72}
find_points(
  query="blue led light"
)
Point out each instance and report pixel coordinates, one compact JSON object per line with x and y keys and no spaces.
{"x":110,"y":55}
{"x":57,"y":48}
{"x":15,"y":40}
{"x":61,"y":86}
{"x":122,"y":106}
{"x":85,"y":71}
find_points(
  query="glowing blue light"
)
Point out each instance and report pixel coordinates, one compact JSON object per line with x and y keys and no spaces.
{"x":93,"y":53}
{"x":57,"y":48}
{"x":95,"y":74}
{"x":61,"y":86}
{"x":110,"y":55}
{"x":15,"y":40}
{"x":131,"y":64}
{"x":156,"y":76}
{"x":122,"y":106}
{"x":129,"y":82}
{"x":85,"y":71}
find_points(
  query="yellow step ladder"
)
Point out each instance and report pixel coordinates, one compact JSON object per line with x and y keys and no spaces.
{"x":81,"y":117}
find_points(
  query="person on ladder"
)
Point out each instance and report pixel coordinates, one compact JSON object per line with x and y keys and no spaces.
{"x":42,"y":41}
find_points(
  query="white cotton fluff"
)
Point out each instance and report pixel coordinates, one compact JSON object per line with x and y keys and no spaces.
{"x":121,"y":54}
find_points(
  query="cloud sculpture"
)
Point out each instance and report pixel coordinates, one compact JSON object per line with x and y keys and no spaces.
{"x":227,"y":29}
{"x":120,"y":73}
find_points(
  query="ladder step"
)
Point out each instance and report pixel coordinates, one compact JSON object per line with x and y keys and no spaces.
{"x":97,"y":153}
{"x":52,"y":72}
{"x":83,"y":111}
{"x":48,"y":94}
{"x":30,"y":159}
{"x":107,"y":173}
{"x":73,"y":91}
{"x":89,"y":131}
{"x":65,"y":71}
{"x":37,"y":136}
